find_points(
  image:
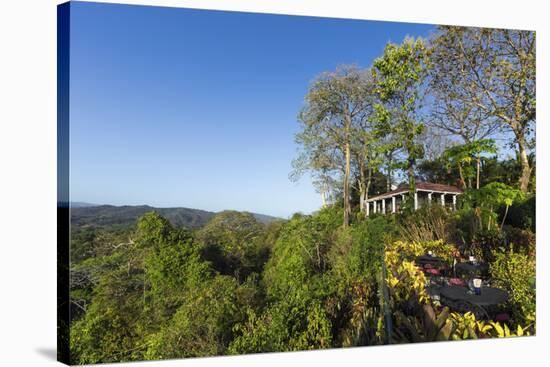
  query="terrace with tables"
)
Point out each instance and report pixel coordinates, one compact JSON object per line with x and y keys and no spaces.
{"x":463,"y":286}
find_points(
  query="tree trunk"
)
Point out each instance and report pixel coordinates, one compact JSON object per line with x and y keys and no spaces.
{"x":369,"y":180}
{"x":478,"y":162}
{"x":362,"y":196}
{"x":504,"y":217}
{"x":389,"y":172}
{"x":524,"y":161}
{"x":347,"y":171}
{"x":412,"y":181}
{"x":347,"y":209}
{"x":361,"y":186}
{"x":323,"y":199}
{"x":365,"y":189}
{"x":461,"y":175}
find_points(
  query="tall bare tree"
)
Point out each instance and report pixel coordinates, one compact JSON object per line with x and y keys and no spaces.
{"x":321,"y":160}
{"x":336,"y":104}
{"x":488,"y":75}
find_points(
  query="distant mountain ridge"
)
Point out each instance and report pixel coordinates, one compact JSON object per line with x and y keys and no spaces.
{"x":81,"y":204}
{"x":85,"y":214}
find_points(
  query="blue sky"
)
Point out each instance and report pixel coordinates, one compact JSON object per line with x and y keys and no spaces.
{"x":179,"y":107}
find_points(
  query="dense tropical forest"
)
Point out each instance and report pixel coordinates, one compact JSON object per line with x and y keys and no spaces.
{"x":457,"y":109}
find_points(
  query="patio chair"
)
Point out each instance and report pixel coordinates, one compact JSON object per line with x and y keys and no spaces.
{"x":502,"y":317}
{"x":457,"y":281}
{"x":432,"y":271}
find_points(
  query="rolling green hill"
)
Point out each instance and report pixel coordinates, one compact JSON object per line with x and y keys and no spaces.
{"x":110,"y":215}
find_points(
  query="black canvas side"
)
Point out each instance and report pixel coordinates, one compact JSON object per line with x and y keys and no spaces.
{"x":63,"y":209}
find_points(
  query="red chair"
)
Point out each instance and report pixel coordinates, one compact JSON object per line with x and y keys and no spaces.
{"x":502,"y":317}
{"x":433,"y":271}
{"x":457,"y":281}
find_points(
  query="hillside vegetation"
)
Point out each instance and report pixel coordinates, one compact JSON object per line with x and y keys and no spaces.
{"x":237,"y":285}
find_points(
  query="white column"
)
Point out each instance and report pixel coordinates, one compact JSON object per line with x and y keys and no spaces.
{"x":368,"y":208}
{"x":393,"y":204}
{"x":415,"y":200}
{"x":430,"y":198}
{"x":454,"y":202}
{"x":402,"y":201}
{"x":442,"y":199}
{"x":375,"y":207}
{"x":383,"y":206}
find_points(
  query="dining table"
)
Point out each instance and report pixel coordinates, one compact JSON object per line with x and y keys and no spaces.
{"x":464,"y":299}
{"x":469,"y":269}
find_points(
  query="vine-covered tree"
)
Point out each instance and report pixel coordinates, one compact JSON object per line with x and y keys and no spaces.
{"x":399,"y":74}
{"x":231,"y":242}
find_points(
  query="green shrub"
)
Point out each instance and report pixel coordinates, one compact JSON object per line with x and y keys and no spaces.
{"x":522,"y":214}
{"x":357,"y":250}
{"x":355,"y":314}
{"x":487,"y":208}
{"x":429,"y":223}
{"x":296,"y":322}
{"x":202,"y":326}
{"x":515,"y":272}
{"x":300,"y":251}
{"x":485,"y":243}
{"x":522,"y":240}
{"x":354,"y":261}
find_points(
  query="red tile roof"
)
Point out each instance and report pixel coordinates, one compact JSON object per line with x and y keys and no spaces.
{"x":428,"y":186}
{"x":420,"y":186}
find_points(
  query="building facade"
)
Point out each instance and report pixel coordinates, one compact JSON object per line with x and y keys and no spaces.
{"x":426,"y":193}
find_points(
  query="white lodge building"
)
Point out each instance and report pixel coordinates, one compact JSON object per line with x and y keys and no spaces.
{"x":425,"y":193}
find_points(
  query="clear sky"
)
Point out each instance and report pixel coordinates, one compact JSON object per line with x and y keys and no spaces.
{"x":177,"y":107}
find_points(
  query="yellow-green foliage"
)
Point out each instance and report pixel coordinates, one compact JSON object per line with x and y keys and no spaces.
{"x":404,"y":278}
{"x":515,"y":272}
{"x":467,"y":327}
{"x":446,"y":251}
{"x":406,"y":281}
{"x":406,"y":284}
